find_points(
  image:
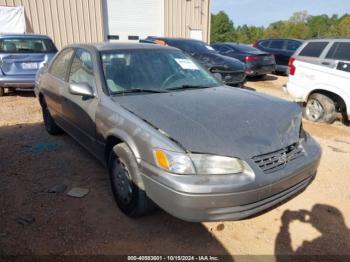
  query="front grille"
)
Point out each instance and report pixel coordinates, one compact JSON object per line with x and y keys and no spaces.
{"x":274,"y":161}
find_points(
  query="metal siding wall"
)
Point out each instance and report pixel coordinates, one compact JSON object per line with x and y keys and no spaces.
{"x":65,"y":21}
{"x":180,"y":16}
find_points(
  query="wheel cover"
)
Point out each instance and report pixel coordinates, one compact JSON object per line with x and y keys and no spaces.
{"x":314,"y":110}
{"x":122,"y":183}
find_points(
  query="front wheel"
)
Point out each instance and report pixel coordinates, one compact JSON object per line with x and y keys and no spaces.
{"x":131,"y":200}
{"x":2,"y":91}
{"x":320,"y":108}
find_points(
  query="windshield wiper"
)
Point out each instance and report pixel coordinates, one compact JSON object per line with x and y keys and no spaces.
{"x":139,"y":90}
{"x":183,"y":87}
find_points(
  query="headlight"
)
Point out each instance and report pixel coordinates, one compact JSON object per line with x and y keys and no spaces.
{"x":219,"y":165}
{"x":173,"y":162}
{"x":179,"y":163}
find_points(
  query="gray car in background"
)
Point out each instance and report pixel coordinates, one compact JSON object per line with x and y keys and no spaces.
{"x":171,"y":134}
{"x":21,"y":56}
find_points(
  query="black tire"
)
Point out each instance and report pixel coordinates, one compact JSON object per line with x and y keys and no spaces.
{"x":320,"y":108}
{"x":50,"y":125}
{"x":2,"y":91}
{"x":131,"y":200}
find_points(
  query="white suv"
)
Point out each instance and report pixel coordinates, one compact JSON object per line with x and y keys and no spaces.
{"x":319,"y":75}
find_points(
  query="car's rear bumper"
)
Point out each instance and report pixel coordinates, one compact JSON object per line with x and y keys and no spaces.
{"x":260,"y":70}
{"x":237,"y":202}
{"x":282,"y":69}
{"x":19,"y":81}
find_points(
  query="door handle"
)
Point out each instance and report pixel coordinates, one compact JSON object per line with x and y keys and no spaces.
{"x":325,"y":63}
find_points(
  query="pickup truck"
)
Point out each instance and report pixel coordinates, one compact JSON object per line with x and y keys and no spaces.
{"x":324,"y":90}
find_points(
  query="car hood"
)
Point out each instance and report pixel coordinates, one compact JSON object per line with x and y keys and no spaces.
{"x":217,"y":60}
{"x":220,"y":121}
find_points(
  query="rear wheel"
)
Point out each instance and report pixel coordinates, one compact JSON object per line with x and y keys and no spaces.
{"x":2,"y":91}
{"x":320,"y":108}
{"x":50,"y":125}
{"x":131,"y":200}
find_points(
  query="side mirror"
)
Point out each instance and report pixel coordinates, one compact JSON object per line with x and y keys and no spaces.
{"x":81,"y":89}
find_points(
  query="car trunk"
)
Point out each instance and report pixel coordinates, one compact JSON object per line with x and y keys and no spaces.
{"x":21,"y":64}
{"x":264,"y":59}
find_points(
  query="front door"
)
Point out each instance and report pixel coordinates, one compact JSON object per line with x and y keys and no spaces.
{"x":79,"y":111}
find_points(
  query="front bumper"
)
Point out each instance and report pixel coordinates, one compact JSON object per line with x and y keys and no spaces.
{"x":19,"y":81}
{"x":216,"y":198}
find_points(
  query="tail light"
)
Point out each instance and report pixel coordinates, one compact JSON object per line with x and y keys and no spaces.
{"x":251,"y":58}
{"x":291,"y":66}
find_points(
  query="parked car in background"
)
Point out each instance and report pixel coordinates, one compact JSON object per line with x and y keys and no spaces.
{"x":282,"y":49}
{"x":21,"y":56}
{"x":258,"y":63}
{"x":170,"y":132}
{"x":320,"y":77}
{"x":232,"y":71}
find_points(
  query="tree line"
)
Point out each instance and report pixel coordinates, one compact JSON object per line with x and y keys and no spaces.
{"x":300,"y":25}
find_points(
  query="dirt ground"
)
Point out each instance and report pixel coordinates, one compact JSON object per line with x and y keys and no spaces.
{"x":33,"y":221}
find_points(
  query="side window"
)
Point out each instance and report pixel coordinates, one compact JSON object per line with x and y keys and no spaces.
{"x":60,"y":65}
{"x":265,"y":43}
{"x":82,"y":70}
{"x":339,"y":51}
{"x":293,"y":45}
{"x":313,"y":49}
{"x":277,"y":44}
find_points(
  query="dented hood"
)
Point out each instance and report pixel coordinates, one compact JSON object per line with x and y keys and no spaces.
{"x":221,"y":121}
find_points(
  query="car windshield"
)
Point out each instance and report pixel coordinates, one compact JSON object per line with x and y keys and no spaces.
{"x":26,"y":45}
{"x":153,"y":70}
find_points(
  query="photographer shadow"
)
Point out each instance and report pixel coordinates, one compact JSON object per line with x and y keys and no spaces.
{"x":328,"y":220}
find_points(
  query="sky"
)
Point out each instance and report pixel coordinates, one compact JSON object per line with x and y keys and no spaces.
{"x":264,"y":12}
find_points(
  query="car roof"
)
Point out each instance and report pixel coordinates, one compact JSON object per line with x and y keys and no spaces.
{"x":268,"y":39}
{"x":328,"y":39}
{"x":107,"y":46}
{"x":3,"y":35}
{"x":173,"y":39}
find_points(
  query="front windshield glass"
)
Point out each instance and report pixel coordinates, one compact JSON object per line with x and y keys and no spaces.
{"x":157,"y":70}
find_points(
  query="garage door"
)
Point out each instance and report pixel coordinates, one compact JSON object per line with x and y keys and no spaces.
{"x":133,"y":20}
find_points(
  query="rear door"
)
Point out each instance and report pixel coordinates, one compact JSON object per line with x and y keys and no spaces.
{"x":79,"y":112}
{"x":24,"y":55}
{"x":54,"y":81}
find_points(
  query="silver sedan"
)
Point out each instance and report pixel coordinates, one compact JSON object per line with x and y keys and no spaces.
{"x":172,"y":135}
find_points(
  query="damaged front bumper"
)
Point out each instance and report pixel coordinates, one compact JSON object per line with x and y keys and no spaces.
{"x":230,"y":197}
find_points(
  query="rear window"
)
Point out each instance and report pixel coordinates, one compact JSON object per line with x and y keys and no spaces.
{"x":313,"y":49}
{"x":244,"y":48}
{"x":339,"y":51}
{"x":293,"y":45}
{"x":26,"y":45}
{"x":192,"y":46}
{"x":277,"y":44}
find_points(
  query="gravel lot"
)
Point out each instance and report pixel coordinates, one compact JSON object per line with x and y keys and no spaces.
{"x":33,"y":221}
